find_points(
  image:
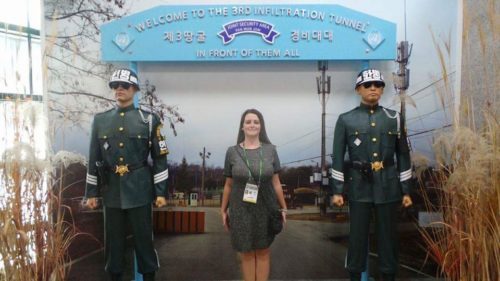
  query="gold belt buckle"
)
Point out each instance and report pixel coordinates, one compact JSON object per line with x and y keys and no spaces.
{"x":121,"y":169}
{"x":377,"y":166}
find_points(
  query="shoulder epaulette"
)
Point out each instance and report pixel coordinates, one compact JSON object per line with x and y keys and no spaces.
{"x":145,"y":108}
{"x":104,"y":112}
{"x":390,"y":113}
{"x":350,"y":111}
{"x":149,"y":110}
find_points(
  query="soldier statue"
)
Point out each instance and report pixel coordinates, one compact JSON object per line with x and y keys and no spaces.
{"x":377,"y":175}
{"x":128,"y":169}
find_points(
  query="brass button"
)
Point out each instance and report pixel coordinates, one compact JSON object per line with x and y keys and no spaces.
{"x":122,"y":113}
{"x":373,"y":124}
{"x":375,"y":154}
{"x":120,"y":129}
{"x":374,"y":139}
{"x":371,"y":111}
{"x":121,"y":159}
{"x":121,"y":144}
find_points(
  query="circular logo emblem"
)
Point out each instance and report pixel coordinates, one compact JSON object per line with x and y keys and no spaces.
{"x":122,"y":40}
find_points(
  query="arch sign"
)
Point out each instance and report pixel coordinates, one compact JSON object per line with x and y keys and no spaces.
{"x":248,"y":33}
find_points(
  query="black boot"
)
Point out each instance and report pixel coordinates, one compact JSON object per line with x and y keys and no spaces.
{"x":115,"y":276}
{"x":388,"y":277}
{"x":150,"y":276}
{"x":355,"y":276}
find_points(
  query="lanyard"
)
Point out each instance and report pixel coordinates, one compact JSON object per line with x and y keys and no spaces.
{"x":248,"y":163}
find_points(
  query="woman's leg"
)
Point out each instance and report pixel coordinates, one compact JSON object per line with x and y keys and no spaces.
{"x":263,"y":264}
{"x":248,"y":265}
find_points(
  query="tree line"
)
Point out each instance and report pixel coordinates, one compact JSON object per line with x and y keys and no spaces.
{"x":186,"y":177}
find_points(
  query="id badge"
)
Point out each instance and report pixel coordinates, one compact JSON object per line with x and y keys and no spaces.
{"x":250,"y":193}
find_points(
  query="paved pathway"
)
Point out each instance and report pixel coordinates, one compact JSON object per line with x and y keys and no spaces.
{"x":306,"y":250}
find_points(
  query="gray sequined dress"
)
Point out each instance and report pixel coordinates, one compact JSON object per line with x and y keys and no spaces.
{"x":249,"y":222}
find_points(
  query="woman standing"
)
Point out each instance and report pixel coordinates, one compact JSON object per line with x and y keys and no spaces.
{"x":251,"y":191}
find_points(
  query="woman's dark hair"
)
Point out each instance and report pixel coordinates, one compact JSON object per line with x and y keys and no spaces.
{"x":262,"y":135}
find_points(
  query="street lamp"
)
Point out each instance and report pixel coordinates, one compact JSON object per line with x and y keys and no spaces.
{"x":204,"y":155}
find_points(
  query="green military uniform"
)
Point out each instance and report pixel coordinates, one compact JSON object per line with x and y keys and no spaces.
{"x":377,"y":174}
{"x":122,"y":140}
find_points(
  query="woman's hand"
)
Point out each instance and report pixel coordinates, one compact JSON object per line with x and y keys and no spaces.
{"x":283,"y":215}
{"x":225,"y":220}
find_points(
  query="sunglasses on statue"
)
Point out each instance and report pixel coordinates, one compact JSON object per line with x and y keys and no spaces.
{"x":115,"y":85}
{"x":377,"y":84}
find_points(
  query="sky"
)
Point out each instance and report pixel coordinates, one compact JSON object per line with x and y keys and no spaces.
{"x":19,"y":12}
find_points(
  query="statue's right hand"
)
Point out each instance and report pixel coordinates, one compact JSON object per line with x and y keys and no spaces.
{"x":91,"y":203}
{"x":338,"y":200}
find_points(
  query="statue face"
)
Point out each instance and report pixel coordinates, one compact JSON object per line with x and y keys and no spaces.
{"x":370,"y":92}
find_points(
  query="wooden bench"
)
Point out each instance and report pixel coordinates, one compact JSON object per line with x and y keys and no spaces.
{"x":170,"y":221}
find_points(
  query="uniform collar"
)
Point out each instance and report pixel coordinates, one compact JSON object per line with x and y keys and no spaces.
{"x":369,"y":107}
{"x":125,"y":109}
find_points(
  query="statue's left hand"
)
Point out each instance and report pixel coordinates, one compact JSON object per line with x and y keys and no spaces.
{"x":160,"y":201}
{"x":407,"y":201}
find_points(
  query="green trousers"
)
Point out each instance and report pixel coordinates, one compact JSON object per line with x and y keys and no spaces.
{"x":116,"y":223}
{"x":386,"y":221}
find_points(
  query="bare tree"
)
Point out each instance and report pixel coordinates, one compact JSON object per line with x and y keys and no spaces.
{"x":76,"y":77}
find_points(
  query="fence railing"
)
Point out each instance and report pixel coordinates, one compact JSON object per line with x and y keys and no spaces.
{"x":213,"y":202}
